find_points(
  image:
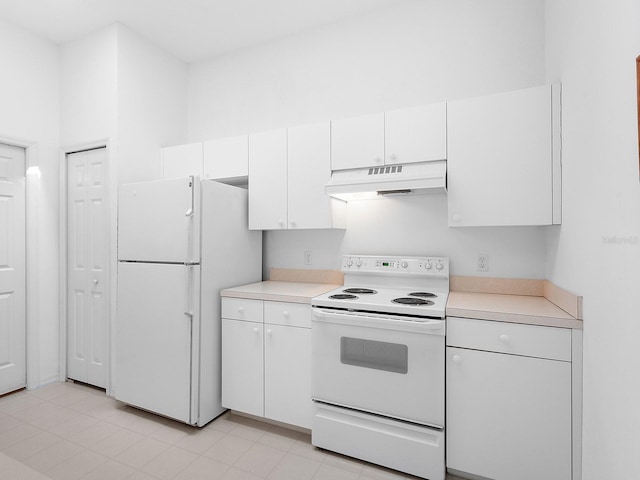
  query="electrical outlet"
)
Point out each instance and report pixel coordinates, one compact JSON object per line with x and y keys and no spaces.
{"x":483,"y":262}
{"x":308,"y":258}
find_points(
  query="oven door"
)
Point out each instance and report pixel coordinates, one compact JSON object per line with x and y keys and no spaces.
{"x":380,"y":364}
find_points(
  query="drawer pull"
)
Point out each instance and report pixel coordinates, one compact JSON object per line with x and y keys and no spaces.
{"x":504,"y":338}
{"x":240,"y":310}
{"x":285,"y":314}
{"x":456,"y":359}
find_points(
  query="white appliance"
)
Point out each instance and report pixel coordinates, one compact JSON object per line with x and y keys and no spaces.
{"x":378,"y":363}
{"x":411,"y":178}
{"x":180,"y":242}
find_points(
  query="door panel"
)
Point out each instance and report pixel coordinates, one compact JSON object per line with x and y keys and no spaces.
{"x":87,"y":269}
{"x":159,"y":221}
{"x":153,"y":335}
{"x":12,"y":269}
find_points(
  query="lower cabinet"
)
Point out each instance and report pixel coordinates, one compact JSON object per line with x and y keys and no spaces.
{"x":509,"y":400}
{"x":266,"y":361}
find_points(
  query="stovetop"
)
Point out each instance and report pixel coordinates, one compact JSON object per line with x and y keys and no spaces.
{"x":383,"y":301}
{"x":414,"y":286}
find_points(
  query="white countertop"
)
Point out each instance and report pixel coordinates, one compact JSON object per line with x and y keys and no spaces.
{"x":528,"y":309}
{"x":532,"y":310}
{"x":294,"y":292}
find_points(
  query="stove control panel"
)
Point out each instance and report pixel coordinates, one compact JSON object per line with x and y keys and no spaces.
{"x":422,"y":266}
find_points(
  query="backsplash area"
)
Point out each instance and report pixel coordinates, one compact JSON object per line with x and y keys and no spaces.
{"x":411,"y":226}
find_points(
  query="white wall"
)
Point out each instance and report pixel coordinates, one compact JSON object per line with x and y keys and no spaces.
{"x":88,"y":95}
{"x":152,"y":105}
{"x":412,"y":226}
{"x":592,"y":47}
{"x":418,"y":52}
{"x":29,"y":113}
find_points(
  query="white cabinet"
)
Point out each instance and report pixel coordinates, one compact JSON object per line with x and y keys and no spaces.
{"x":357,"y":142}
{"x":242,"y":357}
{"x":266,"y":361}
{"x":509,"y":410}
{"x":401,"y":136}
{"x":268,"y":180}
{"x":503,"y":165}
{"x":222,"y":159}
{"x":181,"y":161}
{"x":287,"y":369}
{"x":288,"y":170}
{"x":226,"y":158}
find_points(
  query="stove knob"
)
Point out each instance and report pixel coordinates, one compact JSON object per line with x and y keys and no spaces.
{"x":349,"y":263}
{"x":358,"y":263}
{"x":439,"y":266}
{"x":404,"y":264}
{"x":428,"y":265}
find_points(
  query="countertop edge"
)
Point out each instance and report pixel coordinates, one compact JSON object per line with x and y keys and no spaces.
{"x":515,"y":318}
{"x":273,"y":297}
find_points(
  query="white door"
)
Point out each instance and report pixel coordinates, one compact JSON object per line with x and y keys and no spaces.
{"x":417,"y":134}
{"x":154,"y":324}
{"x":268,"y":184}
{"x":357,"y":142}
{"x":309,"y":170}
{"x":364,"y":361}
{"x":87,"y":267}
{"x":158,"y":221}
{"x":12,"y":269}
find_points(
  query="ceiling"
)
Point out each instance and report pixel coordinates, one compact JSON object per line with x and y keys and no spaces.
{"x":190,"y":29}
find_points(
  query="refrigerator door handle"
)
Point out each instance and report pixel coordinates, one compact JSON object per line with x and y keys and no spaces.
{"x":188,"y":311}
{"x":189,"y":212}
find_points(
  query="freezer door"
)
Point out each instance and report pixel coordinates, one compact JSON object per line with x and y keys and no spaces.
{"x":159,"y":221}
{"x":157,"y":329}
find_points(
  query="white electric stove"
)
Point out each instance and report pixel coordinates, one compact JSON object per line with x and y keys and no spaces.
{"x":378,"y":363}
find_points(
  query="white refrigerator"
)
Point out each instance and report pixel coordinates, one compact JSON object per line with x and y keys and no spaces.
{"x":180,"y":241}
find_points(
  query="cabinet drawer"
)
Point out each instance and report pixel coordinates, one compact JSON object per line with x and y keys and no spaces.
{"x":290,"y":314}
{"x":513,"y":338}
{"x":242,"y":309}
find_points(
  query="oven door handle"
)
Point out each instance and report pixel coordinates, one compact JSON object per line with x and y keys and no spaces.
{"x":430,"y":326}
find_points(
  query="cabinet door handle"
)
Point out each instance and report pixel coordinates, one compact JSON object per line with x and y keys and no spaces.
{"x":269,"y":332}
{"x":504,"y":338}
{"x":456,"y":359}
{"x":255,"y":330}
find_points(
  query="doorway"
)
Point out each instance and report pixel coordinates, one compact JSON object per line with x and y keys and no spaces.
{"x":13,"y":360}
{"x":88,"y":280}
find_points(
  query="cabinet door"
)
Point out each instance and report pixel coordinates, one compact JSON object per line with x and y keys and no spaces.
{"x":309,"y":166}
{"x":268,"y":180}
{"x":416,"y":134}
{"x":357,"y":142}
{"x":287,"y":370}
{"x":242,"y":366}
{"x":500,"y":159}
{"x":181,"y":160}
{"x":508,"y":416}
{"x":226,"y":157}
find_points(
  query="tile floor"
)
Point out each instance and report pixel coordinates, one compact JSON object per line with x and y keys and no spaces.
{"x":68,"y":431}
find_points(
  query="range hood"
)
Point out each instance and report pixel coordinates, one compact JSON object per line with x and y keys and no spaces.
{"x":389,"y":180}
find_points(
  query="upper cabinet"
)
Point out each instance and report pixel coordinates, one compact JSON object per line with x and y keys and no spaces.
{"x":226,"y":158}
{"x":357,"y":142}
{"x":402,"y":136}
{"x":288,"y":170}
{"x":223,"y":159}
{"x":416,"y":134}
{"x":181,"y":161}
{"x":503,"y":165}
